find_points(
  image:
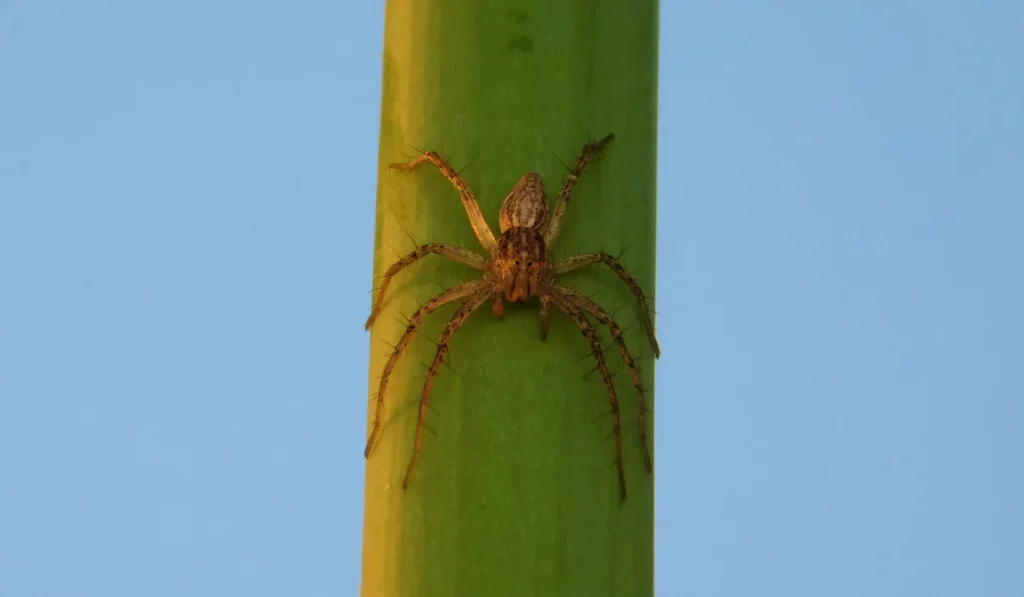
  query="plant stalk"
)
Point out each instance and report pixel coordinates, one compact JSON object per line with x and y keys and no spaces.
{"x":515,"y":492}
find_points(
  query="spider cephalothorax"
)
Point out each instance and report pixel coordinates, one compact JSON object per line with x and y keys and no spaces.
{"x":518,"y":268}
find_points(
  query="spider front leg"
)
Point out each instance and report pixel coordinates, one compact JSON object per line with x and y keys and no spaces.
{"x":443,"y":343}
{"x":451,"y":295}
{"x":576,"y":314}
{"x":461,"y":255}
{"x":598,"y":313}
{"x":591,"y":151}
{"x":572,"y":263}
{"x":476,"y":217}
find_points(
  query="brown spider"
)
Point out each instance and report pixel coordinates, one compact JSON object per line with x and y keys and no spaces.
{"x":517,"y":269}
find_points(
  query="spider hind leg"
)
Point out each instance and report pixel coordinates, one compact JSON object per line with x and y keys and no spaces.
{"x":590,"y":153}
{"x":476,"y":217}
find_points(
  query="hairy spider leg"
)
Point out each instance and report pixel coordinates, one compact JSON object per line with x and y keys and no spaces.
{"x":590,"y":152}
{"x":602,"y":316}
{"x":451,"y":295}
{"x":576,"y":314}
{"x":572,"y":263}
{"x":460,"y":317}
{"x":476,"y":217}
{"x":458,"y":254}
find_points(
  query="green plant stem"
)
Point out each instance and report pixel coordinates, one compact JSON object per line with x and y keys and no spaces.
{"x":515,"y":493}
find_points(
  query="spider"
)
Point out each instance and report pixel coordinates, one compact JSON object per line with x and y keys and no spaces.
{"x":518,"y":268}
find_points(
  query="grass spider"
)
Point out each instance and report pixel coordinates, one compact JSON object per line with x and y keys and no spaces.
{"x":518,"y":267}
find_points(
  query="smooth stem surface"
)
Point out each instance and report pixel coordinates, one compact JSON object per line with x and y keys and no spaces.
{"x":515,"y":493}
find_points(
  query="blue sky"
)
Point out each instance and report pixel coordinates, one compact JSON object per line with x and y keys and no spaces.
{"x":186,"y":192}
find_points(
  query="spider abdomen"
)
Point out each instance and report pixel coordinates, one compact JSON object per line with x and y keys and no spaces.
{"x":526,"y":206}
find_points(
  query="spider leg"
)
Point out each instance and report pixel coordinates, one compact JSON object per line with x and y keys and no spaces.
{"x":577,"y":315}
{"x":572,"y":263}
{"x":451,"y":295}
{"x":476,"y":217}
{"x":590,"y":152}
{"x":460,"y":317}
{"x":598,"y":313}
{"x":461,"y":255}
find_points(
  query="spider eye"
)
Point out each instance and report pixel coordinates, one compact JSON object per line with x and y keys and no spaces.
{"x":516,"y":262}
{"x":529,"y":264}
